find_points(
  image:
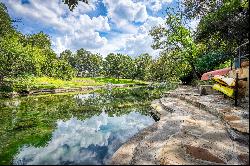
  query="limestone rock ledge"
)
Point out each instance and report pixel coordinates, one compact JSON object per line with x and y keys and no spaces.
{"x":185,"y":134}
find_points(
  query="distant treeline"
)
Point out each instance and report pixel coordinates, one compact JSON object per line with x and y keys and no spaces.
{"x":185,"y":54}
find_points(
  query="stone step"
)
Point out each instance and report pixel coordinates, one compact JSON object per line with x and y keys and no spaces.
{"x":185,"y":134}
{"x":220,"y":107}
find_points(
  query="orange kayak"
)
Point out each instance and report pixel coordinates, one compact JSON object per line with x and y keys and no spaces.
{"x":211,"y":74}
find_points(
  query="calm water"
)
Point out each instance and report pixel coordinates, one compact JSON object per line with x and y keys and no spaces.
{"x":68,"y":129}
{"x":91,"y":141}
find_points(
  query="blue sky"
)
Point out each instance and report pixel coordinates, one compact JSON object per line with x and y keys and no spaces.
{"x":103,"y":26}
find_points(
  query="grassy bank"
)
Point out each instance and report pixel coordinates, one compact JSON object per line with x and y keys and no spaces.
{"x":37,"y":83}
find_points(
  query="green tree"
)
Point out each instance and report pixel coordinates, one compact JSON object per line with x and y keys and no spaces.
{"x":111,"y":65}
{"x":226,"y":20}
{"x":68,"y":56}
{"x":40,"y":40}
{"x":17,"y":60}
{"x":119,"y":66}
{"x":5,"y":21}
{"x":87,"y":63}
{"x":28,"y":54}
{"x":127,"y":67}
{"x":175,"y":38}
{"x":168,"y":67}
{"x":5,"y":29}
{"x":209,"y":61}
{"x":143,"y":64}
{"x":57,"y":67}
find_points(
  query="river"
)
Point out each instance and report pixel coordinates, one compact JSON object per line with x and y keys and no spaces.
{"x":71,"y":128}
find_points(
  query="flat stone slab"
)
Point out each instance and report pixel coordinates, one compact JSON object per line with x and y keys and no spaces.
{"x":187,"y":133}
{"x":236,"y":117}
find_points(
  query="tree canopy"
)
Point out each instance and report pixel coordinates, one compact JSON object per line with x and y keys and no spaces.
{"x":223,"y":26}
{"x":185,"y":54}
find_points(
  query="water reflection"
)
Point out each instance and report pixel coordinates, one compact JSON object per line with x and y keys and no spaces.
{"x":91,"y":141}
{"x":86,"y":96}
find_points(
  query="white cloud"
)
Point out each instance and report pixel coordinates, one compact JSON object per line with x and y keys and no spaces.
{"x":154,"y":5}
{"x":73,"y":140}
{"x":133,"y":44}
{"x":126,"y":25}
{"x":75,"y":29}
{"x":141,"y":42}
{"x":121,"y":12}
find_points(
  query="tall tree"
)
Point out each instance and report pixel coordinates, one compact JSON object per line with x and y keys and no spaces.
{"x":68,"y":56}
{"x":143,"y":64}
{"x":227,"y":20}
{"x":27,"y":54}
{"x":119,"y":66}
{"x":40,"y":40}
{"x":176,"y":38}
{"x":5,"y":21}
{"x":87,"y":63}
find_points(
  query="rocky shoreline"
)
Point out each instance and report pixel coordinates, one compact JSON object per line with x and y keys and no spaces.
{"x":63,"y":90}
{"x":192,"y":129}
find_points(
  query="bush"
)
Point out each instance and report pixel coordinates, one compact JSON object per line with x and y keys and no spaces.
{"x":60,"y":69}
{"x":210,"y":61}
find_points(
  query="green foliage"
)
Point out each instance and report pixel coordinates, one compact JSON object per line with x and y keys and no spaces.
{"x":143,"y":64}
{"x":228,"y":20}
{"x":28,"y":54}
{"x":223,"y":26}
{"x":223,"y":65}
{"x":199,"y":8}
{"x":5,"y":21}
{"x":209,"y":61}
{"x":179,"y":48}
{"x":166,"y":68}
{"x":119,"y":66}
{"x":17,"y":60}
{"x":67,"y":55}
{"x":86,"y":63}
{"x":39,"y":40}
{"x":60,"y":69}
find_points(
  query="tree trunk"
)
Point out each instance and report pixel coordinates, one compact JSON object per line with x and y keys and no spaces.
{"x":1,"y":79}
{"x":194,"y":70}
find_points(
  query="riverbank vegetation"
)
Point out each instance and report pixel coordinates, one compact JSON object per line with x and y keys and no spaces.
{"x":28,"y":62}
{"x":28,"y":83}
{"x":185,"y":54}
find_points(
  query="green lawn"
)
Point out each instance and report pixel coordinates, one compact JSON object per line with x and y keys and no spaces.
{"x":36,"y":83}
{"x":116,"y":81}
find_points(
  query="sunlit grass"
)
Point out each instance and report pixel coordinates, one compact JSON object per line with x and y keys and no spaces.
{"x":119,"y":81}
{"x":37,"y":83}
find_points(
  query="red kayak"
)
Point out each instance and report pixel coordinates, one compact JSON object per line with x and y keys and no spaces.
{"x":209,"y":75}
